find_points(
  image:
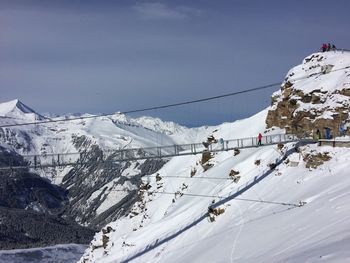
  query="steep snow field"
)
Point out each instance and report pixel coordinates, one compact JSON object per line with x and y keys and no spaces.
{"x":250,"y":230}
{"x":291,"y":204}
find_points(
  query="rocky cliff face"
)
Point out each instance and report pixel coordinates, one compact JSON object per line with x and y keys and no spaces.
{"x":315,"y":95}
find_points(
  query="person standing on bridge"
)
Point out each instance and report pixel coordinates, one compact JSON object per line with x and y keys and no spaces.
{"x":222,"y":143}
{"x":259,"y":139}
{"x":318,"y":134}
{"x":328,"y":133}
{"x":342,"y":128}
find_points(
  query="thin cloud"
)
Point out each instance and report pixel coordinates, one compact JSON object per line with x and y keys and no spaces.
{"x":161,"y":11}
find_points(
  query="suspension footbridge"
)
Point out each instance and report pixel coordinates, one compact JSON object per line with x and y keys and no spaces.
{"x":132,"y":154}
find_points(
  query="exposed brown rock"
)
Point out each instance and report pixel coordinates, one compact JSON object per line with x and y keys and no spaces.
{"x":158,"y":177}
{"x":206,"y":156}
{"x":315,"y":160}
{"x":193,"y":171}
{"x":286,"y":113}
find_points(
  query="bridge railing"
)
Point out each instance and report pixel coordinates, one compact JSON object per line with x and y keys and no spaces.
{"x":253,"y":141}
{"x":153,"y":152}
{"x":51,"y":159}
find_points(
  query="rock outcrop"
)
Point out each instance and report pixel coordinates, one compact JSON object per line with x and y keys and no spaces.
{"x":315,"y":95}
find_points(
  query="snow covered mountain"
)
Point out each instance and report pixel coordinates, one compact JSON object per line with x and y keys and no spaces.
{"x":100,"y":202}
{"x":17,"y":111}
{"x":282,"y":203}
{"x":314,"y":95}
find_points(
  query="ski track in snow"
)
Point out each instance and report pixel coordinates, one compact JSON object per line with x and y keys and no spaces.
{"x":237,"y":236}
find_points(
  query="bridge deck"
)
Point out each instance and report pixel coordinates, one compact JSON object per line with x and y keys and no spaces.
{"x":80,"y":158}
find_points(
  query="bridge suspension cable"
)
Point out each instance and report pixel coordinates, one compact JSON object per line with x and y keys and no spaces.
{"x":167,"y":105}
{"x":144,"y":109}
{"x":216,"y":196}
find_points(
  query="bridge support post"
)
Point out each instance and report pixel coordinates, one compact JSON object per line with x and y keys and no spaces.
{"x":35,"y":161}
{"x":193,"y":149}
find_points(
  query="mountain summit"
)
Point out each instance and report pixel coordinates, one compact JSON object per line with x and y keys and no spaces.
{"x":15,"y":109}
{"x":314,"y":95}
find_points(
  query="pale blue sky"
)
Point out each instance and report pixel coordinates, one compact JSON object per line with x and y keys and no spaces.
{"x":106,"y":56}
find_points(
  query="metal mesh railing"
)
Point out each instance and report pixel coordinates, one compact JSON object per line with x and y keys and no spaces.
{"x":61,"y":159}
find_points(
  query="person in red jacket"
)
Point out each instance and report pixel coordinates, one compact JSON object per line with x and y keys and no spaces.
{"x":259,"y":139}
{"x":324,"y":47}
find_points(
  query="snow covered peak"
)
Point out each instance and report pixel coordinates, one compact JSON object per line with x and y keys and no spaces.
{"x":15,"y":109}
{"x":327,"y":71}
{"x":315,"y":95}
{"x":151,"y":123}
{"x":158,"y":125}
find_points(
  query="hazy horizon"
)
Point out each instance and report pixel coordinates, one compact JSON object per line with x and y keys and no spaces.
{"x":103,"y":57}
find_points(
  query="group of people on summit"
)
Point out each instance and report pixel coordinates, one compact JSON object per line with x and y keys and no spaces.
{"x":328,"y":47}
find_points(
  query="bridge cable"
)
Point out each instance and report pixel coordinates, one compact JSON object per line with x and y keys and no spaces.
{"x":215,"y":196}
{"x":167,"y":105}
{"x":144,"y":109}
{"x":164,"y":106}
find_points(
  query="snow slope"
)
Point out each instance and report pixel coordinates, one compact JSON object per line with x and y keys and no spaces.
{"x":250,"y":230}
{"x":312,"y":65}
{"x":291,"y":203}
